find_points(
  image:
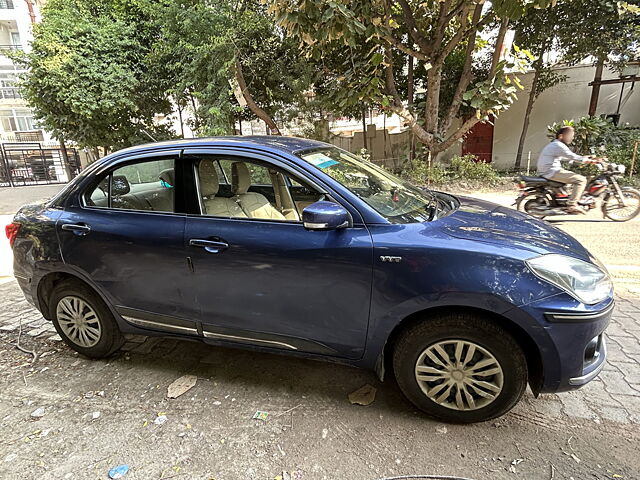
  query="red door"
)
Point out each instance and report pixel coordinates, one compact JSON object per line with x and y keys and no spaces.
{"x":479,"y":141}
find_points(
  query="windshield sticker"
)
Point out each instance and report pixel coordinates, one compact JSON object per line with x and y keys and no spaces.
{"x":320,"y":160}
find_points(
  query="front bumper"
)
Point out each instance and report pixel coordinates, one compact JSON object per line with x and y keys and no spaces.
{"x":571,"y":340}
{"x":597,"y":366}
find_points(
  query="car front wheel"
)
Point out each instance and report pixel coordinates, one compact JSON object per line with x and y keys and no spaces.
{"x":83,"y":320}
{"x":460,"y":368}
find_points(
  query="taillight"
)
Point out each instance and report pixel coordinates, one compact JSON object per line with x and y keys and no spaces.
{"x":12,"y":232}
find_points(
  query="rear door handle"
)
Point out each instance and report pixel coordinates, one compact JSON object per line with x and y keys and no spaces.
{"x":211,"y":246}
{"x":76,"y":228}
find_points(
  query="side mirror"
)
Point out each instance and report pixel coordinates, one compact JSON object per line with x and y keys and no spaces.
{"x":325,"y":216}
{"x":120,"y":185}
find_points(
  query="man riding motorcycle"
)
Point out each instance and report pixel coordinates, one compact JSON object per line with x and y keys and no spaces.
{"x":549,"y":166}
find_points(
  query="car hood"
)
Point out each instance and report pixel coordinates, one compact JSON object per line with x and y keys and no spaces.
{"x":483,"y":221}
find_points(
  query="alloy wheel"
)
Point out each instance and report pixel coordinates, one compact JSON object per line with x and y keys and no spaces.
{"x":79,"y":321}
{"x":459,"y":374}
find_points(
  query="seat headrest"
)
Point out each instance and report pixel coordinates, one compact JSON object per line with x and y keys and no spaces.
{"x":168,"y":177}
{"x":209,"y":182}
{"x":120,"y":185}
{"x":240,"y":178}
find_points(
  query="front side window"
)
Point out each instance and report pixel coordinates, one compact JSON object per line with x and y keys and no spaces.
{"x":393,"y":198}
{"x":236,"y":188}
{"x":145,"y":185}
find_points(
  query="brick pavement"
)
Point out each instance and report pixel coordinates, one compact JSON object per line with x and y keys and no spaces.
{"x":614,"y":396}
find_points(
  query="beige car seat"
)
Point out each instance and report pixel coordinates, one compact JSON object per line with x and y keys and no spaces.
{"x":254,"y":204}
{"x":209,"y":186}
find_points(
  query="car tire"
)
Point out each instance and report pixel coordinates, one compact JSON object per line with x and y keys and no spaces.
{"x":83,"y":320}
{"x":460,"y":390}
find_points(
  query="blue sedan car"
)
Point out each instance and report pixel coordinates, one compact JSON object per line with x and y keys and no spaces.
{"x":295,"y":246}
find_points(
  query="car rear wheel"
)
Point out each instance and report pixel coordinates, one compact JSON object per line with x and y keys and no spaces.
{"x":460,"y":368}
{"x":83,"y":320}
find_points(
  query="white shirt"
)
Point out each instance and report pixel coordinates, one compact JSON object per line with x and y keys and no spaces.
{"x":551,"y":155}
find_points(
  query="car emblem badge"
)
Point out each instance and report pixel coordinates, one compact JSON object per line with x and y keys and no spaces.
{"x":387,"y":258}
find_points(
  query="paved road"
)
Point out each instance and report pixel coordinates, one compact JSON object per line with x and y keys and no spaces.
{"x":12,"y":198}
{"x":97,"y":414}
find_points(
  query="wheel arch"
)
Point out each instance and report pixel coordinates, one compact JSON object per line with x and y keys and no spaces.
{"x":528,"y":345}
{"x":48,"y":282}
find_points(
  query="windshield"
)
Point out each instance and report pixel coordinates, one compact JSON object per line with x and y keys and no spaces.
{"x":395,"y":199}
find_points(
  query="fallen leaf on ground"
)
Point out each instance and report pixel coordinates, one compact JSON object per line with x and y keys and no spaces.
{"x":363,"y":396}
{"x":181,"y":385}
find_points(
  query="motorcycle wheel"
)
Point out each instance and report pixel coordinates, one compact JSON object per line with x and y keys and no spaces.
{"x":533,"y":206}
{"x":612,"y":209}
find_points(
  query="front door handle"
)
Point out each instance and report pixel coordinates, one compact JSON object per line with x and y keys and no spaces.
{"x":76,"y":228}
{"x":211,"y":246}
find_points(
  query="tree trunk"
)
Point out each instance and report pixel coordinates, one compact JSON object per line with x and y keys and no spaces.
{"x":595,"y":89}
{"x":181,"y":121}
{"x":364,"y":128}
{"x":253,"y":106}
{"x":431,"y":110}
{"x":527,"y":115}
{"x":410,"y":88}
{"x":65,"y":159}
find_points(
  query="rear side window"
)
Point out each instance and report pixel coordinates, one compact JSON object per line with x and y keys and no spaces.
{"x":144,"y":186}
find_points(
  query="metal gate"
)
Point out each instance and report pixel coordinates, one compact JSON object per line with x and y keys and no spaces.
{"x":33,"y":164}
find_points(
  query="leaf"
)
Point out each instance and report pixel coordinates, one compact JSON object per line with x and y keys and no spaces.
{"x":181,"y":386}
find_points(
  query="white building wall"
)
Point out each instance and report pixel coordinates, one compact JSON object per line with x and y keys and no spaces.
{"x":567,"y":100}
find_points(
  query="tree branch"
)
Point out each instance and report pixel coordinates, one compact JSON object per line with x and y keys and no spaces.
{"x":253,"y":106}
{"x":410,"y":20}
{"x":462,"y":33}
{"x":465,"y":77}
{"x":403,"y":48}
{"x":396,"y":102}
{"x":440,"y":25}
{"x":457,"y":9}
{"x":504,"y":25}
{"x":457,"y":135}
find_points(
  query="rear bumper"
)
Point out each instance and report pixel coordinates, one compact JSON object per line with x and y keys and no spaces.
{"x":25,"y":285}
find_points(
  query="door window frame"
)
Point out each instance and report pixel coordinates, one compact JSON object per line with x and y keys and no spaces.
{"x":108,"y":170}
{"x":192,"y":155}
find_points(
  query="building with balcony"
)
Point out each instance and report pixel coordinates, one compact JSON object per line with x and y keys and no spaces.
{"x":16,"y":118}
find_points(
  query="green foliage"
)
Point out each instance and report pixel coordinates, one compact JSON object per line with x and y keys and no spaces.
{"x":602,"y":138}
{"x":590,"y":133}
{"x":100,"y":70}
{"x":363,"y":48}
{"x":198,"y":45}
{"x":495,"y":95}
{"x":419,"y":172}
{"x":87,"y":81}
{"x":461,"y":168}
{"x":605,"y":30}
{"x":468,"y":167}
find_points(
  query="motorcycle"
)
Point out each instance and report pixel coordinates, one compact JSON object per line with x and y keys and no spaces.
{"x":541,"y":197}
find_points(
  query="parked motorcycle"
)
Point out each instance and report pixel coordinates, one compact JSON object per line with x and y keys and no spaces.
{"x":541,"y":197}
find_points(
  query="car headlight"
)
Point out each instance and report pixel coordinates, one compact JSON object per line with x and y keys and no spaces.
{"x":582,"y":280}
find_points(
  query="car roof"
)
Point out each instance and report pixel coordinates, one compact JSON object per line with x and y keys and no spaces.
{"x":271,"y":142}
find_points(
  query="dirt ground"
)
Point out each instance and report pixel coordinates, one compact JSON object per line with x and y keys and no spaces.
{"x":98,"y":414}
{"x":63,"y":416}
